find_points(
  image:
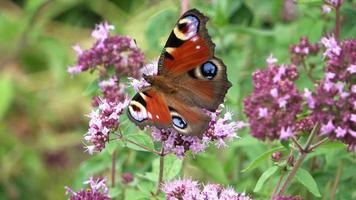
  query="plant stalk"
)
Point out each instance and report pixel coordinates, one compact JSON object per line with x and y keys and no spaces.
{"x":336,"y":181}
{"x":113,"y":169}
{"x":302,"y":154}
{"x":337,"y":22}
{"x":161,"y":168}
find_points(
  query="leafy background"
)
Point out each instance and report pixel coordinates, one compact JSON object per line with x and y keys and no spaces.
{"x":42,"y":108}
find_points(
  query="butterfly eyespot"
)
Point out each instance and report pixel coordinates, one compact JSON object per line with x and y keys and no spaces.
{"x":208,"y":70}
{"x":179,"y":122}
{"x":187,"y":28}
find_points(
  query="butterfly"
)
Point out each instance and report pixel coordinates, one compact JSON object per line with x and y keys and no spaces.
{"x":189,"y":82}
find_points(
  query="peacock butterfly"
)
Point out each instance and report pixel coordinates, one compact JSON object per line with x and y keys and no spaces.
{"x":190,"y":80}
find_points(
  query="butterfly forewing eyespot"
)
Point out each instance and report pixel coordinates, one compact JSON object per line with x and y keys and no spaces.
{"x":187,"y":28}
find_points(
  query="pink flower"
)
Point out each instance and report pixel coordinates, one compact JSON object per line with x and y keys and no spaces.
{"x":97,"y":191}
{"x":187,"y":189}
{"x":327,"y":128}
{"x":271,"y":60}
{"x":221,"y":129}
{"x":286,"y":133}
{"x":332,"y":48}
{"x":101,"y":31}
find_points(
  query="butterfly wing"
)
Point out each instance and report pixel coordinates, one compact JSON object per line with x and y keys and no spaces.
{"x":188,"y":45}
{"x":188,"y":60}
{"x":199,"y":79}
{"x":150,"y":107}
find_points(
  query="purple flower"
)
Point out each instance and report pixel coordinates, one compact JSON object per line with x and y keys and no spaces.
{"x":127,"y":177}
{"x":148,"y":69}
{"x":276,"y":156}
{"x":119,"y":52}
{"x":97,"y":191}
{"x":274,"y":103}
{"x":325,"y":8}
{"x":334,"y":96}
{"x":271,"y":60}
{"x":112,"y":90}
{"x":327,"y":128}
{"x":220,"y":129}
{"x":102,"y":31}
{"x":191,"y":190}
{"x":332,"y":48}
{"x":305,"y":125}
{"x":103,"y":121}
{"x":304,"y":48}
{"x":286,"y":133}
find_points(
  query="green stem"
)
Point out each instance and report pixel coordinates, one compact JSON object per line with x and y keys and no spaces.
{"x":336,"y":181}
{"x":113,"y":169}
{"x":302,"y":154}
{"x":161,"y":168}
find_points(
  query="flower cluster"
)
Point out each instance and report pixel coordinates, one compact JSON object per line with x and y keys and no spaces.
{"x":275,"y":102}
{"x":300,"y":51}
{"x":119,"y":52}
{"x":219,"y":130}
{"x":103,"y":120}
{"x":97,"y":191}
{"x":333,"y":104}
{"x":112,"y":90}
{"x":191,"y":190}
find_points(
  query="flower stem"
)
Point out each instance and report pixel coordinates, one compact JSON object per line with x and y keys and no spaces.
{"x":143,"y":147}
{"x":161,"y":168}
{"x":184,"y":4}
{"x":336,"y":182}
{"x":302,"y":154}
{"x":299,"y":146}
{"x":113,"y":169}
{"x":275,"y":190}
{"x":316,"y":145}
{"x":337,"y":22}
{"x":308,"y":72}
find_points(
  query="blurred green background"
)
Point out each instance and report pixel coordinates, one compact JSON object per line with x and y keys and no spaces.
{"x":42,"y":108}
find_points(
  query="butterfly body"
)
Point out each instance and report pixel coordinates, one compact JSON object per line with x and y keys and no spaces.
{"x":190,"y":81}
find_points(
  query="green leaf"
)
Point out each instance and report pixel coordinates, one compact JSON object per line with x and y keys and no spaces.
{"x":146,"y":187}
{"x":92,"y":88}
{"x":306,"y":179}
{"x":141,"y":138}
{"x":259,"y":160}
{"x":172,"y":167}
{"x":212,"y":167}
{"x":263,"y":178}
{"x":131,"y":194}
{"x":7,"y":94}
{"x":114,"y":192}
{"x":285,"y":143}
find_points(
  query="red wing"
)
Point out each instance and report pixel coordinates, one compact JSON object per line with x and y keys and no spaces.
{"x":149,"y":107}
{"x":157,"y":107}
{"x":188,"y":46}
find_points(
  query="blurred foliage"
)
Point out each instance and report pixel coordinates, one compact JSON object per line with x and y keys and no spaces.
{"x":42,"y":108}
